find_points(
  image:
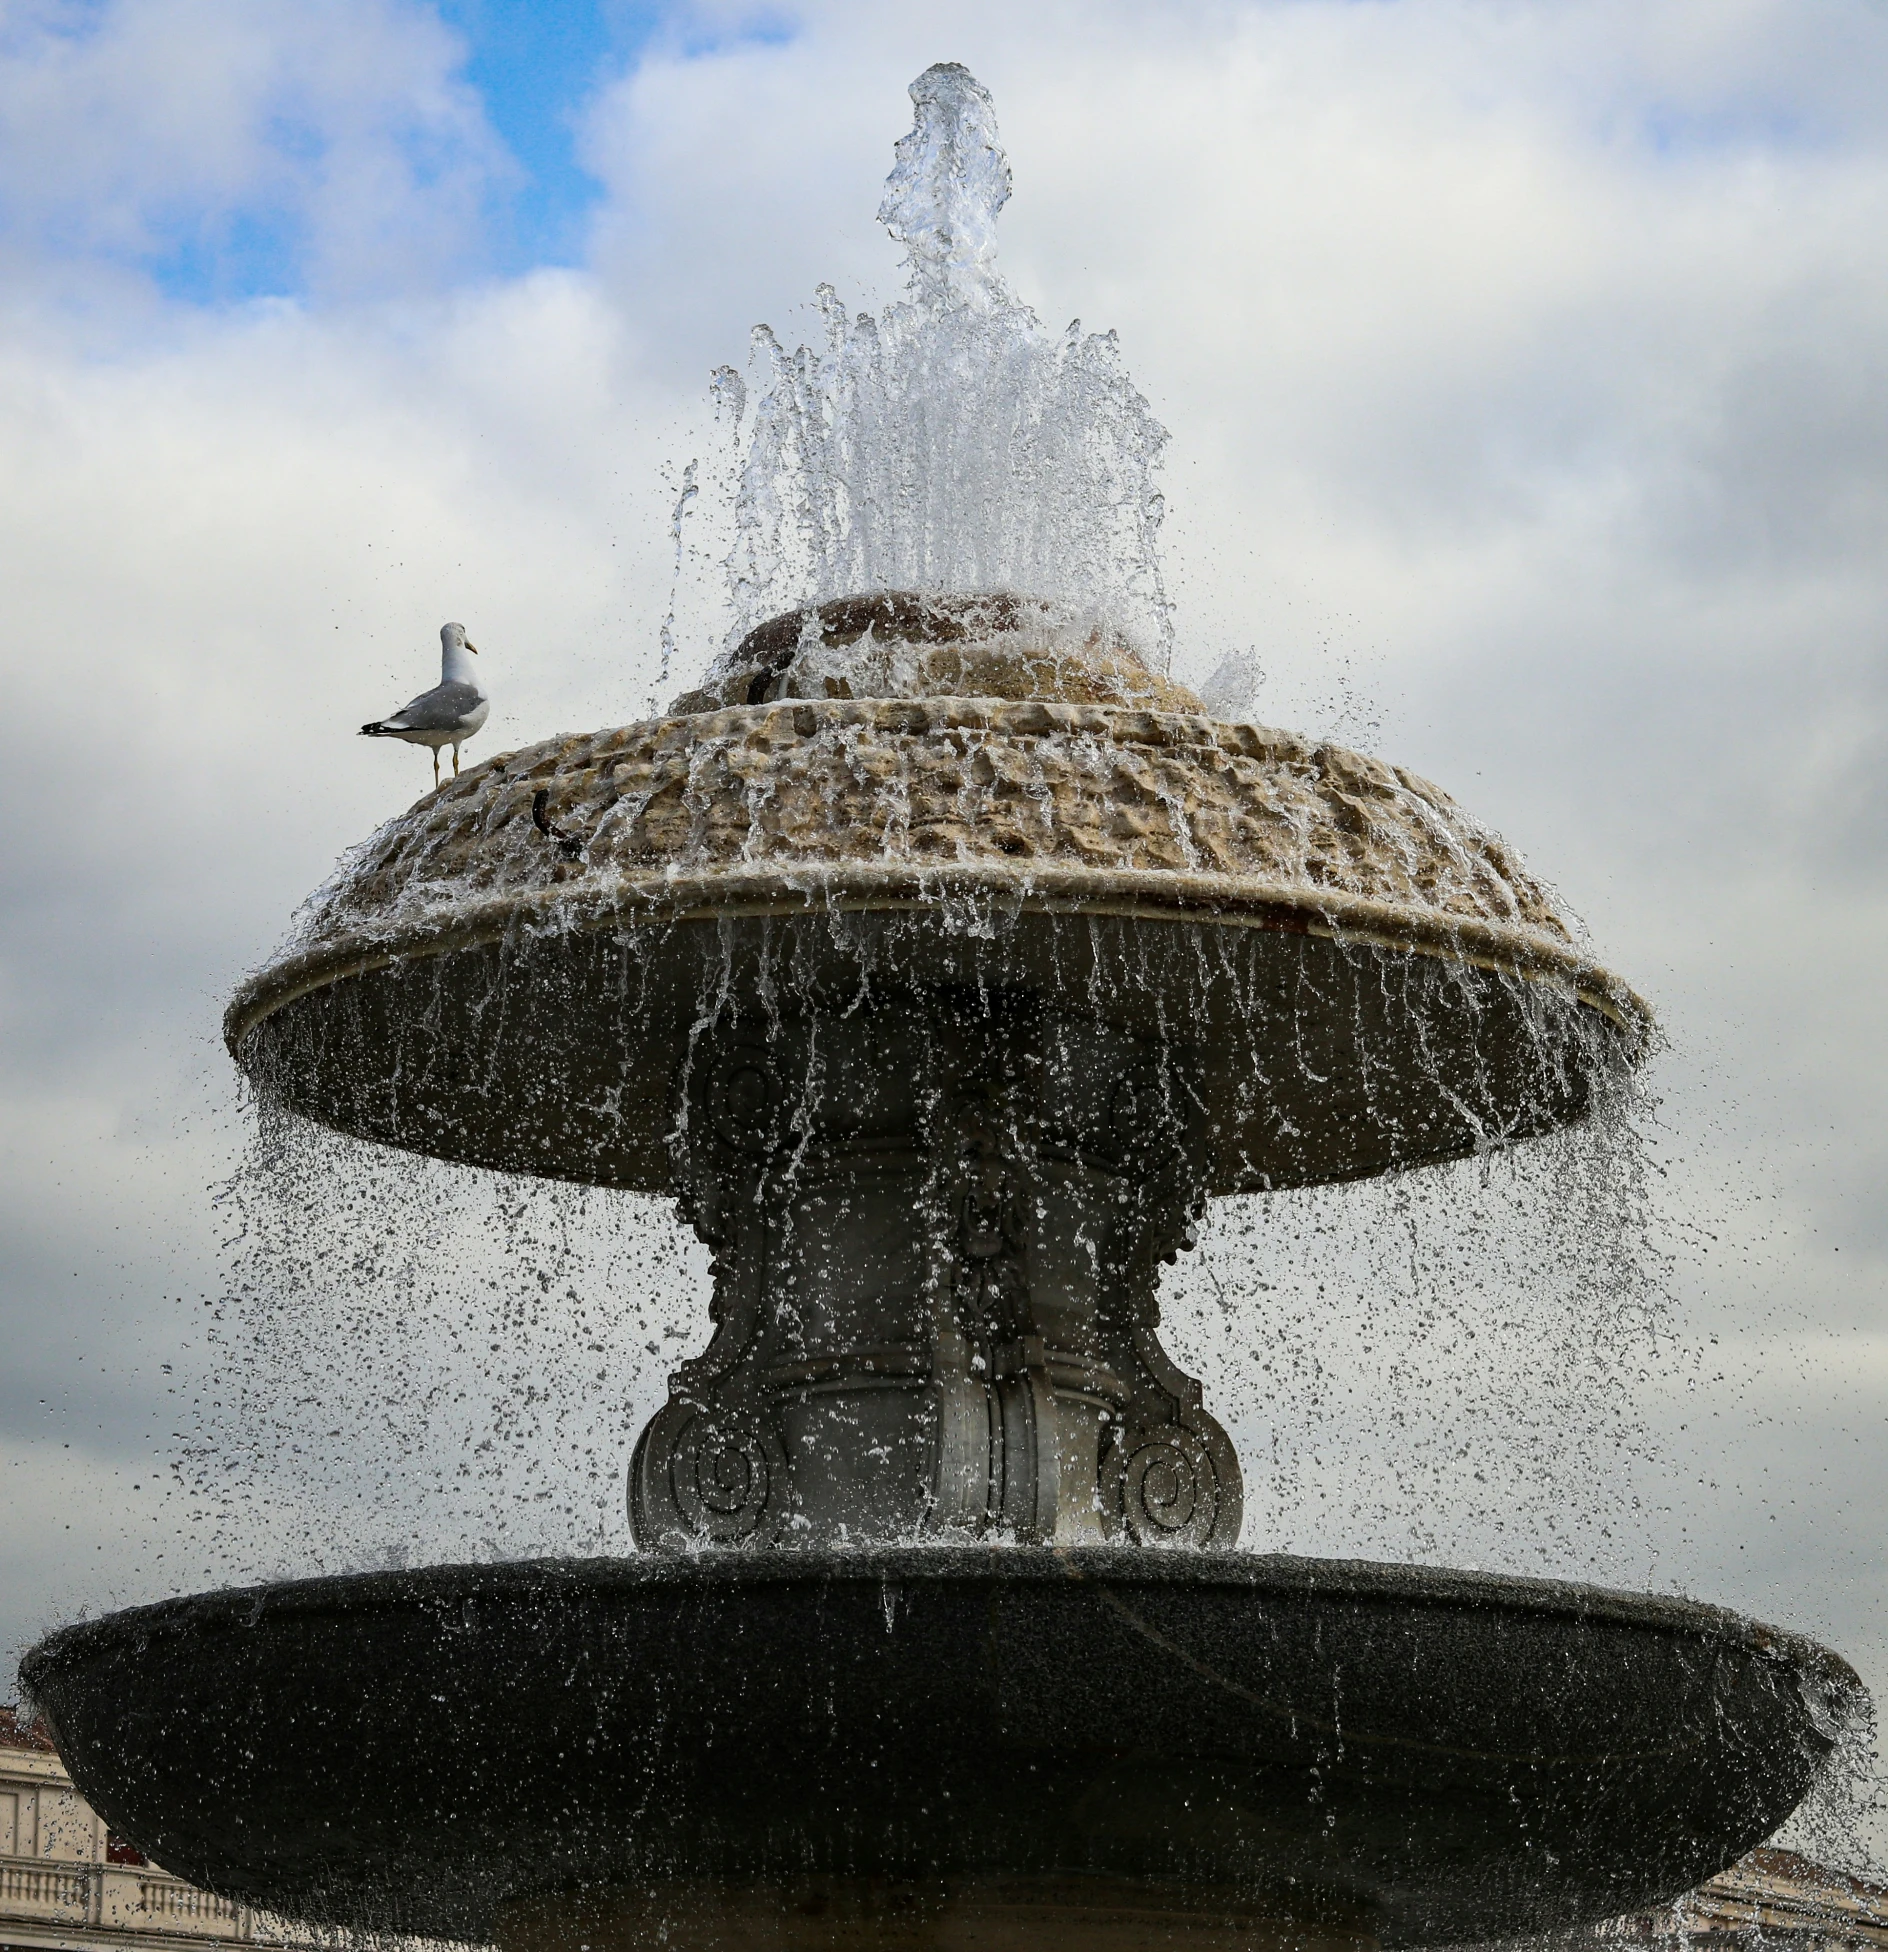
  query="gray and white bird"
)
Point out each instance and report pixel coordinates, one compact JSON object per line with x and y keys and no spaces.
{"x":452,"y":711}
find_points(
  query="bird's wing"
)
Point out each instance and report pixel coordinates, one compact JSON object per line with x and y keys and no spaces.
{"x":438,"y":710}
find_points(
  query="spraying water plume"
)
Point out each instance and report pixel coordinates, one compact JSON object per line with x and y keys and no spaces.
{"x":947,"y":189}
{"x":949,"y":443}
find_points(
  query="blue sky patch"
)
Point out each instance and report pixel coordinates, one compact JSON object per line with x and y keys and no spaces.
{"x":535,"y":64}
{"x":227,"y":256}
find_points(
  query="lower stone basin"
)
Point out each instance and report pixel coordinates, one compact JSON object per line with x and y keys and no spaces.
{"x":732,"y":1748}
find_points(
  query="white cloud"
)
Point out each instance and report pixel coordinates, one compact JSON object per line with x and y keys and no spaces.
{"x":340,"y":136}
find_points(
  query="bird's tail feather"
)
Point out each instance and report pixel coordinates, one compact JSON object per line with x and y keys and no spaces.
{"x":374,"y":729}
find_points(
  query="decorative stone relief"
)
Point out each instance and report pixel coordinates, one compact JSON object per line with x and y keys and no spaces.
{"x":937,"y":1237}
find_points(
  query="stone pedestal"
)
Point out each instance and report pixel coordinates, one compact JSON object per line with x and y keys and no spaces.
{"x":874,"y":1915}
{"x":938,"y":1222}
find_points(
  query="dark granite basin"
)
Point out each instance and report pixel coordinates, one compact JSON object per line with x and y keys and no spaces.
{"x":558,"y":1048}
{"x":1435,"y":1755}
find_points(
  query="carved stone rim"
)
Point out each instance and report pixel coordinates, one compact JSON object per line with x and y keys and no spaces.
{"x":609,"y":900}
{"x":1109,"y":1567}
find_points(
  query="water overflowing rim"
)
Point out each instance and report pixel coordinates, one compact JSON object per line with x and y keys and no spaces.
{"x":1284,"y":1575}
{"x":1139,"y":894}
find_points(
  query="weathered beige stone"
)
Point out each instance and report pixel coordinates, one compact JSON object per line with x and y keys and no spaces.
{"x":908,"y":644}
{"x":941,"y":782}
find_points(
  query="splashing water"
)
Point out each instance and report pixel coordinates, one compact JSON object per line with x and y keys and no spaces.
{"x":678,"y":522}
{"x":422,"y":1362}
{"x":949,"y":444}
{"x":947,"y":189}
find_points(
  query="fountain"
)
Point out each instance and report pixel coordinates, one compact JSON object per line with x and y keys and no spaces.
{"x":941,"y":958}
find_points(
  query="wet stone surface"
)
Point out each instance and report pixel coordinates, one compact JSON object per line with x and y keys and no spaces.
{"x":1412,"y":1755}
{"x":938,"y":1231}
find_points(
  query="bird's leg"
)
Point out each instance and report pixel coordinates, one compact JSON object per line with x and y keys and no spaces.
{"x":435,"y":769}
{"x":455,"y":758}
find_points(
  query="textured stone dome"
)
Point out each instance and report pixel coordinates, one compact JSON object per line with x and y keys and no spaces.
{"x":902,"y":644}
{"x":1149,"y":866}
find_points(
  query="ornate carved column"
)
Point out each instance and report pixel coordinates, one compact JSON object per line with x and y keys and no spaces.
{"x":937,"y":1229}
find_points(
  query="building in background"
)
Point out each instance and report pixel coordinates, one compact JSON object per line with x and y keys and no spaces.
{"x":68,"y":1884}
{"x":1772,"y":1897}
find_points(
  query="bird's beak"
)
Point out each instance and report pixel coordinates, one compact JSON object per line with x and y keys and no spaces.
{"x":470,"y":646}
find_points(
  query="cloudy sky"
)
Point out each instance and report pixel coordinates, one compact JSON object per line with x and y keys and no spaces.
{"x":1527,"y":373}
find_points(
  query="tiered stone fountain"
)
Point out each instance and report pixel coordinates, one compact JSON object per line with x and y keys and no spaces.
{"x":941,"y":1007}
{"x":941,"y":959}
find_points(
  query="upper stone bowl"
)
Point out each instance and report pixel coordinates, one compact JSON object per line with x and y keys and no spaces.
{"x":892,"y":793}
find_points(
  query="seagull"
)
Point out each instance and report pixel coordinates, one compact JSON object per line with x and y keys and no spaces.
{"x":453,"y":710}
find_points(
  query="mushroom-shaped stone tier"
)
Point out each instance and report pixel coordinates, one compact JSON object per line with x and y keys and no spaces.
{"x":943,"y":960}
{"x":893,"y":795}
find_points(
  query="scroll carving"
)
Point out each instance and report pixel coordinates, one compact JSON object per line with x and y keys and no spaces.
{"x":936,"y":1248}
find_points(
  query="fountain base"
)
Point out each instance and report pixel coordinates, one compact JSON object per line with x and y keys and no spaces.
{"x":1437,"y":1756}
{"x":838,"y":1915}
